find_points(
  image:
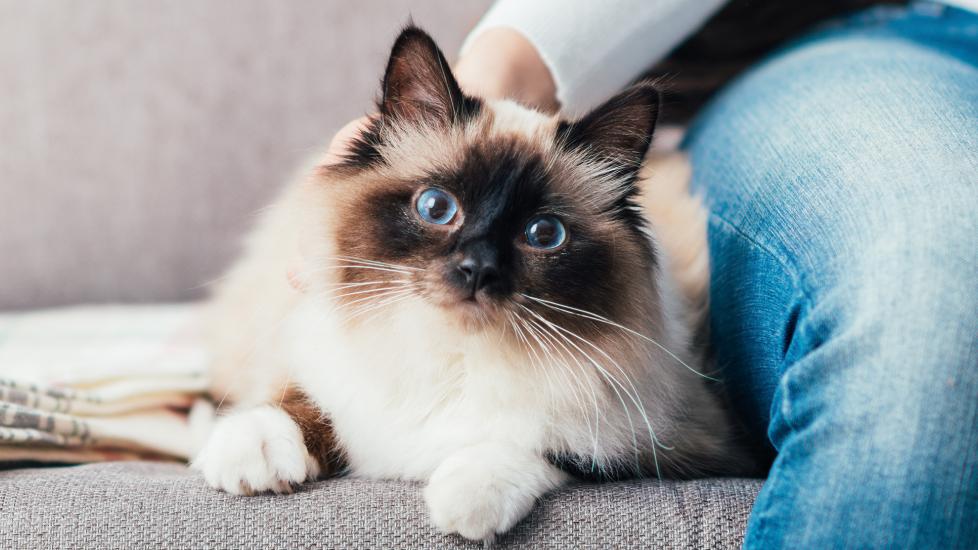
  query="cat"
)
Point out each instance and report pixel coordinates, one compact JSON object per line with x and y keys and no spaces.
{"x":473,"y":298}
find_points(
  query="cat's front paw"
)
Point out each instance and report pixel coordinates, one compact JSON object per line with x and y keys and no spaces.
{"x":254,"y":451}
{"x":477,"y":497}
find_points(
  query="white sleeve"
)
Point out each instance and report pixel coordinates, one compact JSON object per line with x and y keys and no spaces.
{"x":593,"y":48}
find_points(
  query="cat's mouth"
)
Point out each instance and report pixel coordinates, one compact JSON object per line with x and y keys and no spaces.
{"x":474,"y":302}
{"x":470,"y":307}
{"x":473,"y":310}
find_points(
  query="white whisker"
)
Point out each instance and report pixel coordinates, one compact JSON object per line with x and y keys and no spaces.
{"x":595,"y":317}
{"x":369,"y":291}
{"x":547,"y":351}
{"x":354,"y":259}
{"x":597,"y":411}
{"x":364,"y":266}
{"x":632,"y":395}
{"x":376,"y":307}
{"x":341,"y":286}
{"x":380,"y":294}
{"x":612,"y":383}
{"x":534,"y":361}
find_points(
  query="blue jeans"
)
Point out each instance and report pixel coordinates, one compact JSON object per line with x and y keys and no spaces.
{"x":842,"y":181}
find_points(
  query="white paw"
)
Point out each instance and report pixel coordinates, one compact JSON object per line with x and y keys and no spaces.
{"x":254,"y":451}
{"x":478,"y":500}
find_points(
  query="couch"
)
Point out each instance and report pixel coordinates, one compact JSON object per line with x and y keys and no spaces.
{"x":137,"y":141}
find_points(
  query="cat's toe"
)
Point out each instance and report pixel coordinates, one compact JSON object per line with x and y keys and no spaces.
{"x":255,"y":451}
{"x":473,"y":502}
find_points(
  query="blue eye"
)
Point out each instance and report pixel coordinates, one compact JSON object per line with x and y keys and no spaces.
{"x":436,"y":206}
{"x":545,"y":232}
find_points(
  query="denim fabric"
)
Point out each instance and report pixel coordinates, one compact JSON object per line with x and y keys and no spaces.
{"x":842,"y":181}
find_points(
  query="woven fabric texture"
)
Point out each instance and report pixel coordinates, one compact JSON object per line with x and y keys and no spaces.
{"x":156,"y":505}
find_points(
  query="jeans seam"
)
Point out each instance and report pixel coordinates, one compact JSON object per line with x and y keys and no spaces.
{"x":800,"y":288}
{"x":786,"y":266}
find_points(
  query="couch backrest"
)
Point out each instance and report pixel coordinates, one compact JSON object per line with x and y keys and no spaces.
{"x":138,"y":139}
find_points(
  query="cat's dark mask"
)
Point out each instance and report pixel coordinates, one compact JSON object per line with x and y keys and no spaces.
{"x":484,"y":203}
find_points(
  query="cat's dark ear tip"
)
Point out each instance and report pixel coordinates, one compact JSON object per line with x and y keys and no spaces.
{"x":418,"y":85}
{"x":412,"y":35}
{"x":620,"y":128}
{"x":649,"y":86}
{"x":649,"y":91}
{"x":645,"y":99}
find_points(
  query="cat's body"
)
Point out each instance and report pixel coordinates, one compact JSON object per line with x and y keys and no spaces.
{"x":371,"y":329}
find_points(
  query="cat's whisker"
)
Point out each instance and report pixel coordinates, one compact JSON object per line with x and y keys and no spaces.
{"x":372,"y":293}
{"x":595,"y":431}
{"x":593,"y":426}
{"x":328,"y":264}
{"x":377,"y":307}
{"x":379,"y":294}
{"x":547,"y":351}
{"x":364,"y":266}
{"x":534,"y":362}
{"x":633,"y":395}
{"x":330,"y":291}
{"x":368,"y":311}
{"x":620,"y":369}
{"x":368,"y":291}
{"x":351,"y":311}
{"x":614,"y":384}
{"x":601,"y":351}
{"x":341,"y":286}
{"x":374,"y":297}
{"x":522,"y":329}
{"x":367,"y":260}
{"x":379,"y":263}
{"x":595,"y":317}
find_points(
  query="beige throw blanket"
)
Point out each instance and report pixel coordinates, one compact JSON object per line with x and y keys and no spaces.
{"x":101,"y":383}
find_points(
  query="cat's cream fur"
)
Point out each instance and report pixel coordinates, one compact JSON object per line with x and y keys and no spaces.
{"x":413,"y":393}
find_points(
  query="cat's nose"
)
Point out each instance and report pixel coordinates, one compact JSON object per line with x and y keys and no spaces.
{"x":478,"y":271}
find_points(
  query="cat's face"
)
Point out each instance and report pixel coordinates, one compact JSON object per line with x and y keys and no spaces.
{"x":483,"y":208}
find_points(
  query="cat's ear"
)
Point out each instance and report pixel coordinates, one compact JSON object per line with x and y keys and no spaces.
{"x":419,"y":87}
{"x":618,"y":131}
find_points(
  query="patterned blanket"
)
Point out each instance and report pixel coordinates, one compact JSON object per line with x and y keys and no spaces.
{"x":101,"y":383}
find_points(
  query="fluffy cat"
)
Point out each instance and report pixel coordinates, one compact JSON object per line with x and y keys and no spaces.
{"x":472,"y":298}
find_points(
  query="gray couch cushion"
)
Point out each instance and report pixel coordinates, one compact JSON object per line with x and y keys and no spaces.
{"x":150,"y":505}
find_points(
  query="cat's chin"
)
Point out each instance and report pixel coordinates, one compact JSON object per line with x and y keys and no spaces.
{"x":472,"y":313}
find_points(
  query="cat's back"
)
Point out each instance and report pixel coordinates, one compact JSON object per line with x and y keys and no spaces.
{"x":679,"y":219}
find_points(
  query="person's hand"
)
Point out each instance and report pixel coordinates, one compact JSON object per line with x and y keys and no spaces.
{"x":500,"y":64}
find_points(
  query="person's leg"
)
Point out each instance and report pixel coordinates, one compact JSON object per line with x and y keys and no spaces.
{"x":842,"y":179}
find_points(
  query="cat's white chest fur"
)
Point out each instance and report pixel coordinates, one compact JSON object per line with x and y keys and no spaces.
{"x":401,"y":401}
{"x":449,"y":410}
